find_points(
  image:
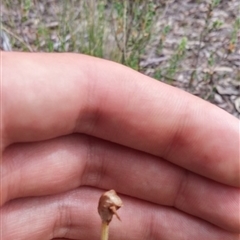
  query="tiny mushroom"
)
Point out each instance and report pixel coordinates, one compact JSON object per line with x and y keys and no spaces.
{"x":108,"y":205}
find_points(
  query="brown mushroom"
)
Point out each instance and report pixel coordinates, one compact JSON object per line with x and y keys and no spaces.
{"x":108,"y":205}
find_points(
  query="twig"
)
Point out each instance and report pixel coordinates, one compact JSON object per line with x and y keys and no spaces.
{"x":18,"y":38}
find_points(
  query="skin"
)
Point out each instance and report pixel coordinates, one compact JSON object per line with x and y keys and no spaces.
{"x":73,"y":126}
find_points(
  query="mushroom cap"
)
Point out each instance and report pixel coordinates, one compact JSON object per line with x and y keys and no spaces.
{"x":108,"y":205}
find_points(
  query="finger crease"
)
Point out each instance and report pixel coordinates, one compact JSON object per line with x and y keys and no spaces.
{"x":181,"y":188}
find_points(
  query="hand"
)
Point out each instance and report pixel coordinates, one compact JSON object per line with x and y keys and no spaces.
{"x":74,"y":126}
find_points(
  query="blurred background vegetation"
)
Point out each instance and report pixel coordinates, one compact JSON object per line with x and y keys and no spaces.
{"x":193,"y":45}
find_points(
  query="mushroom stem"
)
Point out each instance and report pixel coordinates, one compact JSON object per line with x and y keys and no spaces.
{"x":105,"y":230}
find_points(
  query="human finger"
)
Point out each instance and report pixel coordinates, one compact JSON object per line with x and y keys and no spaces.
{"x":74,"y":93}
{"x":62,"y":164}
{"x":74,"y":215}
